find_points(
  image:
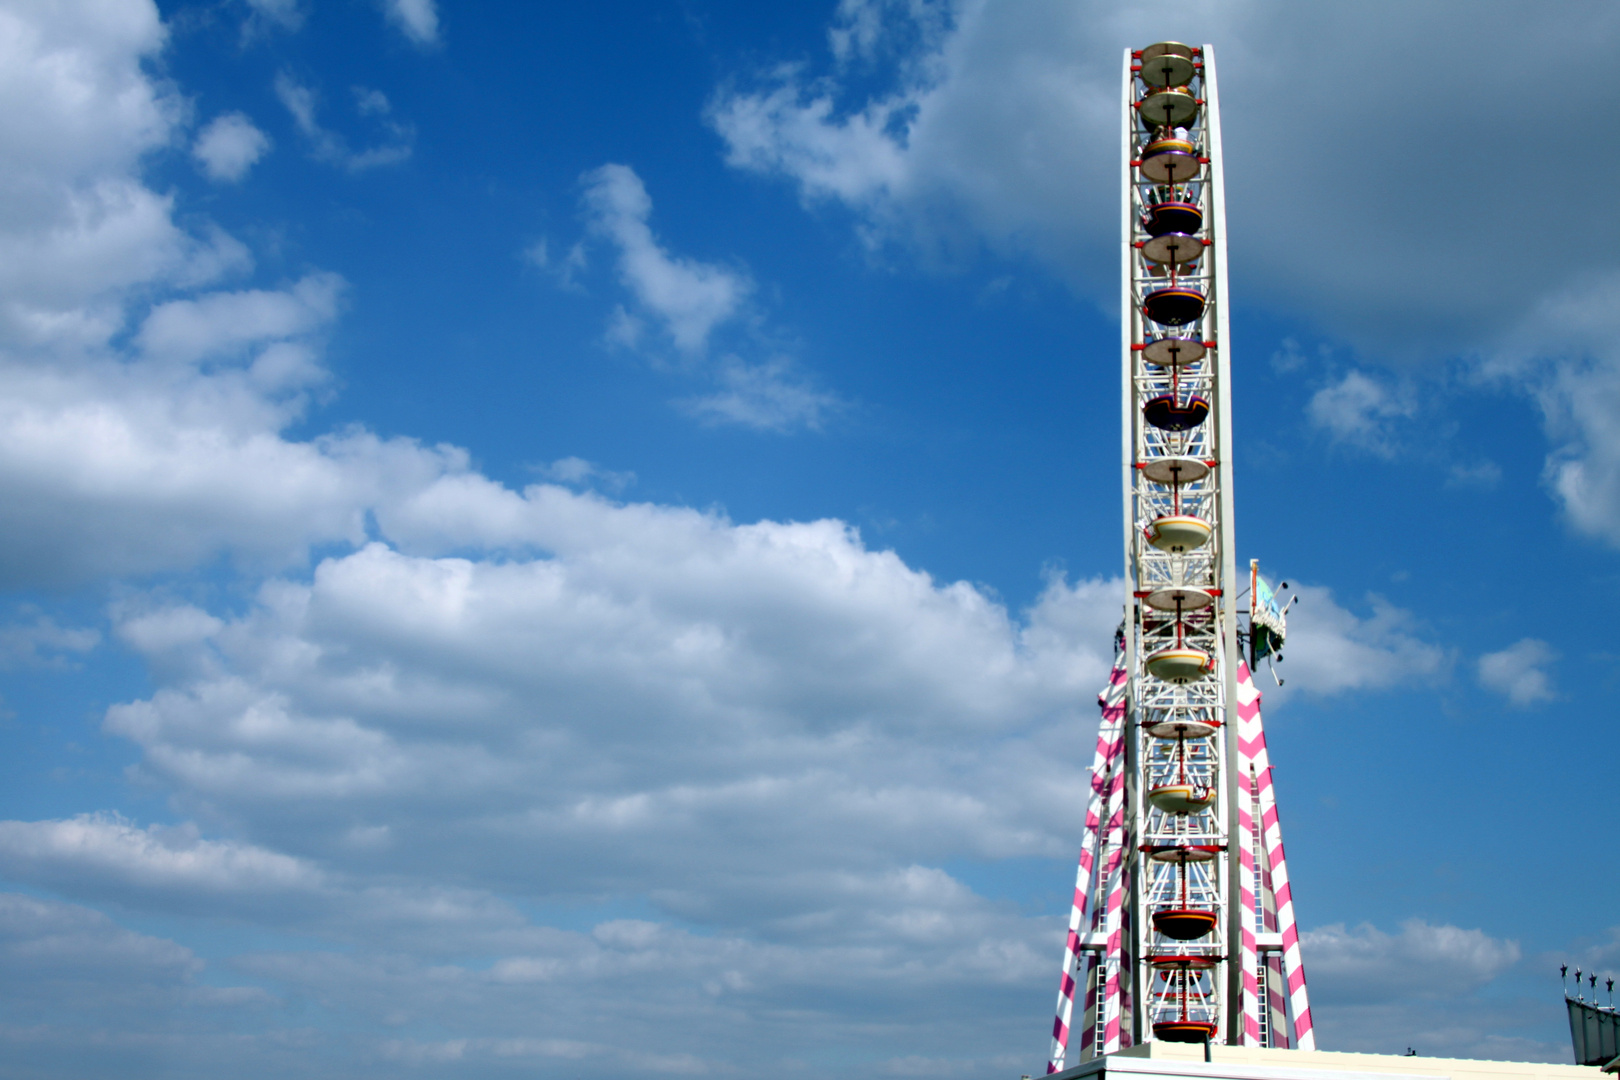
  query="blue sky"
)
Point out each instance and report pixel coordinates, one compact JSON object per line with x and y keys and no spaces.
{"x":551,"y":540}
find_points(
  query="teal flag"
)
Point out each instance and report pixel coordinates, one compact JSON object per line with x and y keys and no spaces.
{"x":1270,"y":623}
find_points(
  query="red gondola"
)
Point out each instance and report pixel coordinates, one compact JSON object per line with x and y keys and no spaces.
{"x":1184,"y":924}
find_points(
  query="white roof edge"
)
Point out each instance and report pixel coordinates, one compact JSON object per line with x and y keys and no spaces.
{"x":1226,"y":1070}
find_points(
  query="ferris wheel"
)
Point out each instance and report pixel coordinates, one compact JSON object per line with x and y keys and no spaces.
{"x":1182,"y":928}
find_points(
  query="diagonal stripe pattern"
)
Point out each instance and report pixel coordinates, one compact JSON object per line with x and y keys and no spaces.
{"x":1254,"y":774}
{"x":1101,"y":856}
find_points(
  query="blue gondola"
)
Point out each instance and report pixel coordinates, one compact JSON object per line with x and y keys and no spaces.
{"x":1174,"y":305}
{"x":1173,"y":216}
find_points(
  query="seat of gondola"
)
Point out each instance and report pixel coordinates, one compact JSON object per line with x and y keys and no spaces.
{"x":1183,"y":1031}
{"x":1168,"y":106}
{"x":1171,"y":351}
{"x":1173,"y":249}
{"x":1185,"y":961}
{"x":1168,"y":414}
{"x":1180,"y":726}
{"x":1169,"y":68}
{"x":1183,"y":598}
{"x":1167,"y":48}
{"x":1175,"y":471}
{"x":1173,"y":215}
{"x":1174,"y":305}
{"x":1184,"y":924}
{"x":1182,"y":853}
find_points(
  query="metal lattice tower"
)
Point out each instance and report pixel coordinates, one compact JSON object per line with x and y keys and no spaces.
{"x":1182,"y":927}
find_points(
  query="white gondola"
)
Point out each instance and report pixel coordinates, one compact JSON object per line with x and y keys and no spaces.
{"x":1179,"y":533}
{"x":1180,"y":664}
{"x":1181,"y":798}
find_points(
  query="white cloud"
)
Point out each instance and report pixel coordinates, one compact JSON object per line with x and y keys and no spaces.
{"x":223,"y":323}
{"x":43,"y":643}
{"x":229,"y":146}
{"x":769,"y":734}
{"x":1362,"y":411}
{"x":111,"y":850}
{"x":989,"y":121}
{"x":1517,"y":672}
{"x":769,"y":396}
{"x":77,"y":226}
{"x":329,"y":146}
{"x":734,"y":675}
{"x":689,"y":297}
{"x":84,"y":990}
{"x":690,"y":300}
{"x":1564,"y":356}
{"x":285,"y":14}
{"x":1331,"y":649}
{"x":170,"y":445}
{"x":1429,"y":987}
{"x":1423,"y":960}
{"x":1484,"y":474}
{"x":577,"y":472}
{"x":182,"y":462}
{"x":416,"y":19}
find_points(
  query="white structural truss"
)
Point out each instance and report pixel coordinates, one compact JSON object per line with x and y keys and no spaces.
{"x":1183,"y":924}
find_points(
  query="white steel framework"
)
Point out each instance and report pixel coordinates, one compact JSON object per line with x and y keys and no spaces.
{"x":1182,"y":926}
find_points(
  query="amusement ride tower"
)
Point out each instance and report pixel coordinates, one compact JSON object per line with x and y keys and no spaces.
{"x":1182,"y":928}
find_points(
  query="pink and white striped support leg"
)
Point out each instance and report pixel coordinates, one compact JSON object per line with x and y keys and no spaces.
{"x":1107,"y":790}
{"x":1248,"y":948}
{"x":1252,"y":755}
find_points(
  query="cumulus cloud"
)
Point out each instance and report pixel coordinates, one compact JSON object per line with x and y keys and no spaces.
{"x":981,"y":120}
{"x":1361,"y":964}
{"x":153,"y":455}
{"x":689,"y":301}
{"x":226,"y":322}
{"x":1563,"y":354}
{"x":769,"y":396}
{"x":1331,"y":649}
{"x":1434,"y":988}
{"x":688,"y":297}
{"x":179,"y":453}
{"x":770,"y":732}
{"x":77,"y":225}
{"x":1518,"y":672}
{"x":945,"y":126}
{"x":42,"y":643}
{"x":661,"y":680}
{"x":329,"y":146}
{"x":1484,"y":474}
{"x":418,"y":20}
{"x":1362,"y":411}
{"x":229,"y":146}
{"x":577,"y":472}
{"x":111,"y":850}
{"x":283,"y":14}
